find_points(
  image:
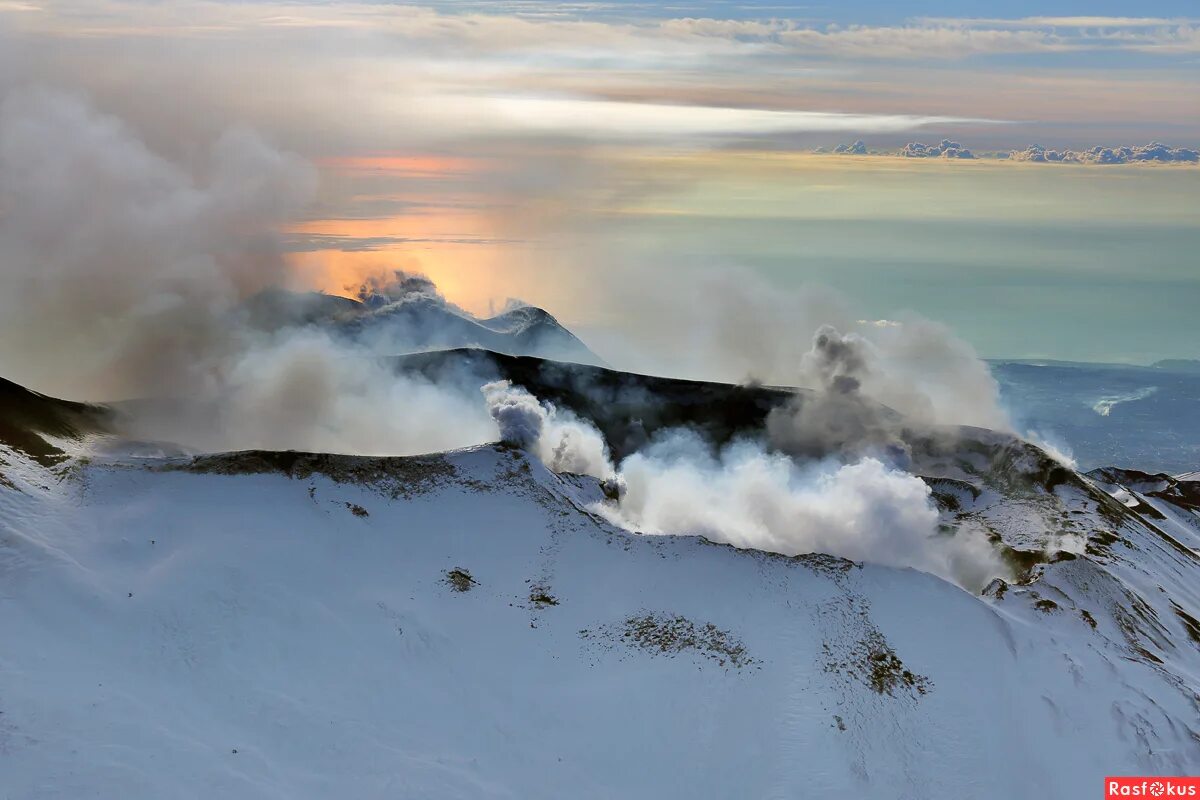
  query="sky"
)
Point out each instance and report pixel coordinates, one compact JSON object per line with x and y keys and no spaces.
{"x":606,"y":159}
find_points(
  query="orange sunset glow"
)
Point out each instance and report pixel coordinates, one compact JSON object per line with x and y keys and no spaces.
{"x":449,"y":237}
{"x":407,"y":165}
{"x":455,"y":249}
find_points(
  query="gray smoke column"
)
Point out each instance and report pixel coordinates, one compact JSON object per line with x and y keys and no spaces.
{"x":922,"y":370}
{"x":836,"y":418}
{"x":867,"y":393}
{"x":731,"y":325}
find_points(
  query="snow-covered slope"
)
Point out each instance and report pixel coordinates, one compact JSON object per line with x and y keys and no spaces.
{"x":1172,"y":504}
{"x":267,"y":625}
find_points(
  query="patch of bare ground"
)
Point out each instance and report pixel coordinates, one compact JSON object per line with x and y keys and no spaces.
{"x":826,"y":564}
{"x":873,"y":662}
{"x":394,"y":476}
{"x":823,"y":563}
{"x":540,"y":597}
{"x":5,"y":481}
{"x":1189,"y":622}
{"x":460,"y":580}
{"x":671,"y":635}
{"x":514,"y":474}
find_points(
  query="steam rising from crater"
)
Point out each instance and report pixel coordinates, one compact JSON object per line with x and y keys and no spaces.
{"x":752,"y":498}
{"x":868,"y":392}
{"x":563,"y":442}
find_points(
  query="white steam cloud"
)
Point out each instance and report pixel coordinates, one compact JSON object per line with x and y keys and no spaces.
{"x":749,"y":498}
{"x":563,"y":442}
{"x":304,"y":390}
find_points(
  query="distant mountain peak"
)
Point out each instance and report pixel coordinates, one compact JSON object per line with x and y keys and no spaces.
{"x":406,"y":313}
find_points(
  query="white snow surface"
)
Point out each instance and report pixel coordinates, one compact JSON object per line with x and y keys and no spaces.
{"x":173,"y":634}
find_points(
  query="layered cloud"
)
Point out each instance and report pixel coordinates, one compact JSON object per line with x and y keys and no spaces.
{"x":1125,"y":154}
{"x":583,"y":116}
{"x":612,"y":74}
{"x":586,"y":34}
{"x":944,"y":149}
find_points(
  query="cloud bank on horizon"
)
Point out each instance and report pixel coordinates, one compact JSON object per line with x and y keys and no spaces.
{"x":1154,"y":152}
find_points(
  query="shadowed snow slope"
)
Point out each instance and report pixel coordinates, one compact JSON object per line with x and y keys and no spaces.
{"x":265,"y":625}
{"x":33,"y":423}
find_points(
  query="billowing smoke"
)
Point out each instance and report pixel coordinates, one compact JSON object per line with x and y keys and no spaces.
{"x":305,"y":390}
{"x":562,"y":441}
{"x":730,"y":325}
{"x":920,"y":369}
{"x":138,"y":268}
{"x":750,"y":498}
{"x":122,"y":259}
{"x":915,"y":367}
{"x":125,"y":275}
{"x":836,"y":418}
{"x":867,"y":394}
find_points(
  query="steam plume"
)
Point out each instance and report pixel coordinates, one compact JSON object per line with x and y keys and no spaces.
{"x":870,"y":393}
{"x":750,"y":498}
{"x":563,"y":442}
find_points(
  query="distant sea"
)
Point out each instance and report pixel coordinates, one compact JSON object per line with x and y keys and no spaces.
{"x":1145,"y":418}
